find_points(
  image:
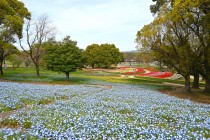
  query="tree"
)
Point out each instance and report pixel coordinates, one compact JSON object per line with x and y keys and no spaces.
{"x":103,"y":56}
{"x":15,"y":60}
{"x":196,"y":16}
{"x":12,"y":15}
{"x":26,"y":59}
{"x":198,"y":21}
{"x":115,"y":55}
{"x":185,"y":24}
{"x":37,"y":33}
{"x":129,"y":57}
{"x":63,"y":56}
{"x":91,"y":54}
{"x":168,"y":38}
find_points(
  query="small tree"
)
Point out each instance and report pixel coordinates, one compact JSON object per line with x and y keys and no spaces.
{"x":15,"y":60}
{"x":63,"y":56}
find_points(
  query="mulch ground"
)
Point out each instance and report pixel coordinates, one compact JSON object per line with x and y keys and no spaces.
{"x":197,"y":95}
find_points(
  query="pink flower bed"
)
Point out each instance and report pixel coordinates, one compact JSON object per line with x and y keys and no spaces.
{"x":157,"y":74}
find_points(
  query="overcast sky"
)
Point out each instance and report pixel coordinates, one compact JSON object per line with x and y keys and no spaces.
{"x":95,"y":21}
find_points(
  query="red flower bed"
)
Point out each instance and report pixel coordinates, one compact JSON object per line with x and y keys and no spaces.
{"x":165,"y":75}
{"x":139,"y":70}
{"x":157,"y":74}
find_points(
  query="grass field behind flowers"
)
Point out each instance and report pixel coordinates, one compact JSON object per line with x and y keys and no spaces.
{"x":90,"y":111}
{"x":81,"y":77}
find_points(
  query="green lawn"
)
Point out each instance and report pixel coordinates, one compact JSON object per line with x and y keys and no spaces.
{"x":81,"y":77}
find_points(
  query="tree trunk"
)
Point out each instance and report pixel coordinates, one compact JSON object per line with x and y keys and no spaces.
{"x":207,"y":68}
{"x":93,"y":66}
{"x":196,"y":81}
{"x":13,"y":65}
{"x":161,"y":65}
{"x":67,"y":76}
{"x":37,"y":70}
{"x":1,"y":68}
{"x":207,"y":85}
{"x":187,"y":84}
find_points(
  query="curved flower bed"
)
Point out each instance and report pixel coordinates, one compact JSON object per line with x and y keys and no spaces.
{"x":91,"y":112}
{"x":165,"y":75}
{"x":157,"y":74}
{"x":123,"y":68}
{"x":133,"y":71}
{"x":152,"y":69}
{"x":139,"y":70}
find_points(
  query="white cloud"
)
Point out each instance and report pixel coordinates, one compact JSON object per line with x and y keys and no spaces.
{"x":96,"y":21}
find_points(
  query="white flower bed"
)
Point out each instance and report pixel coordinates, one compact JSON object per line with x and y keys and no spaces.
{"x":91,"y":112}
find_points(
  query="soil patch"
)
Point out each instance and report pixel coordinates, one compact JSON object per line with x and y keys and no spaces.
{"x":6,"y":114}
{"x":197,"y":95}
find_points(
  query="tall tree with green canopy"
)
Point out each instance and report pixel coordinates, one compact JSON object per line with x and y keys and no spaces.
{"x":169,"y":39}
{"x":63,"y":56}
{"x":91,"y":54}
{"x":103,"y":56}
{"x":196,"y":17}
{"x":12,"y":15}
{"x":116,"y":56}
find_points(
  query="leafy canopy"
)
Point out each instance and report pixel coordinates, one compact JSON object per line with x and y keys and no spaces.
{"x":103,"y":56}
{"x":63,"y":56}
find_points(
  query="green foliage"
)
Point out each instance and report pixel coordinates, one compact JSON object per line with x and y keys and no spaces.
{"x":13,"y":123}
{"x":91,"y":54}
{"x":187,"y":31}
{"x":12,"y":16}
{"x":103,"y":56}
{"x":4,"y":108}
{"x":124,"y":111}
{"x":27,"y":101}
{"x":179,"y":36}
{"x":9,"y":123}
{"x":27,"y":124}
{"x":63,"y":56}
{"x":15,"y":60}
{"x":45,"y":101}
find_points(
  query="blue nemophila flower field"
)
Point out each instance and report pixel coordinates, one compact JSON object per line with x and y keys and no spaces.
{"x":99,"y":112}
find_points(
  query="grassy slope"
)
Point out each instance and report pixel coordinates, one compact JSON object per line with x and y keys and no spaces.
{"x":83,"y":77}
{"x":80,"y":77}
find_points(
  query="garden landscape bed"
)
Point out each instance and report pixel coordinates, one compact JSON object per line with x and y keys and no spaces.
{"x":100,"y":110}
